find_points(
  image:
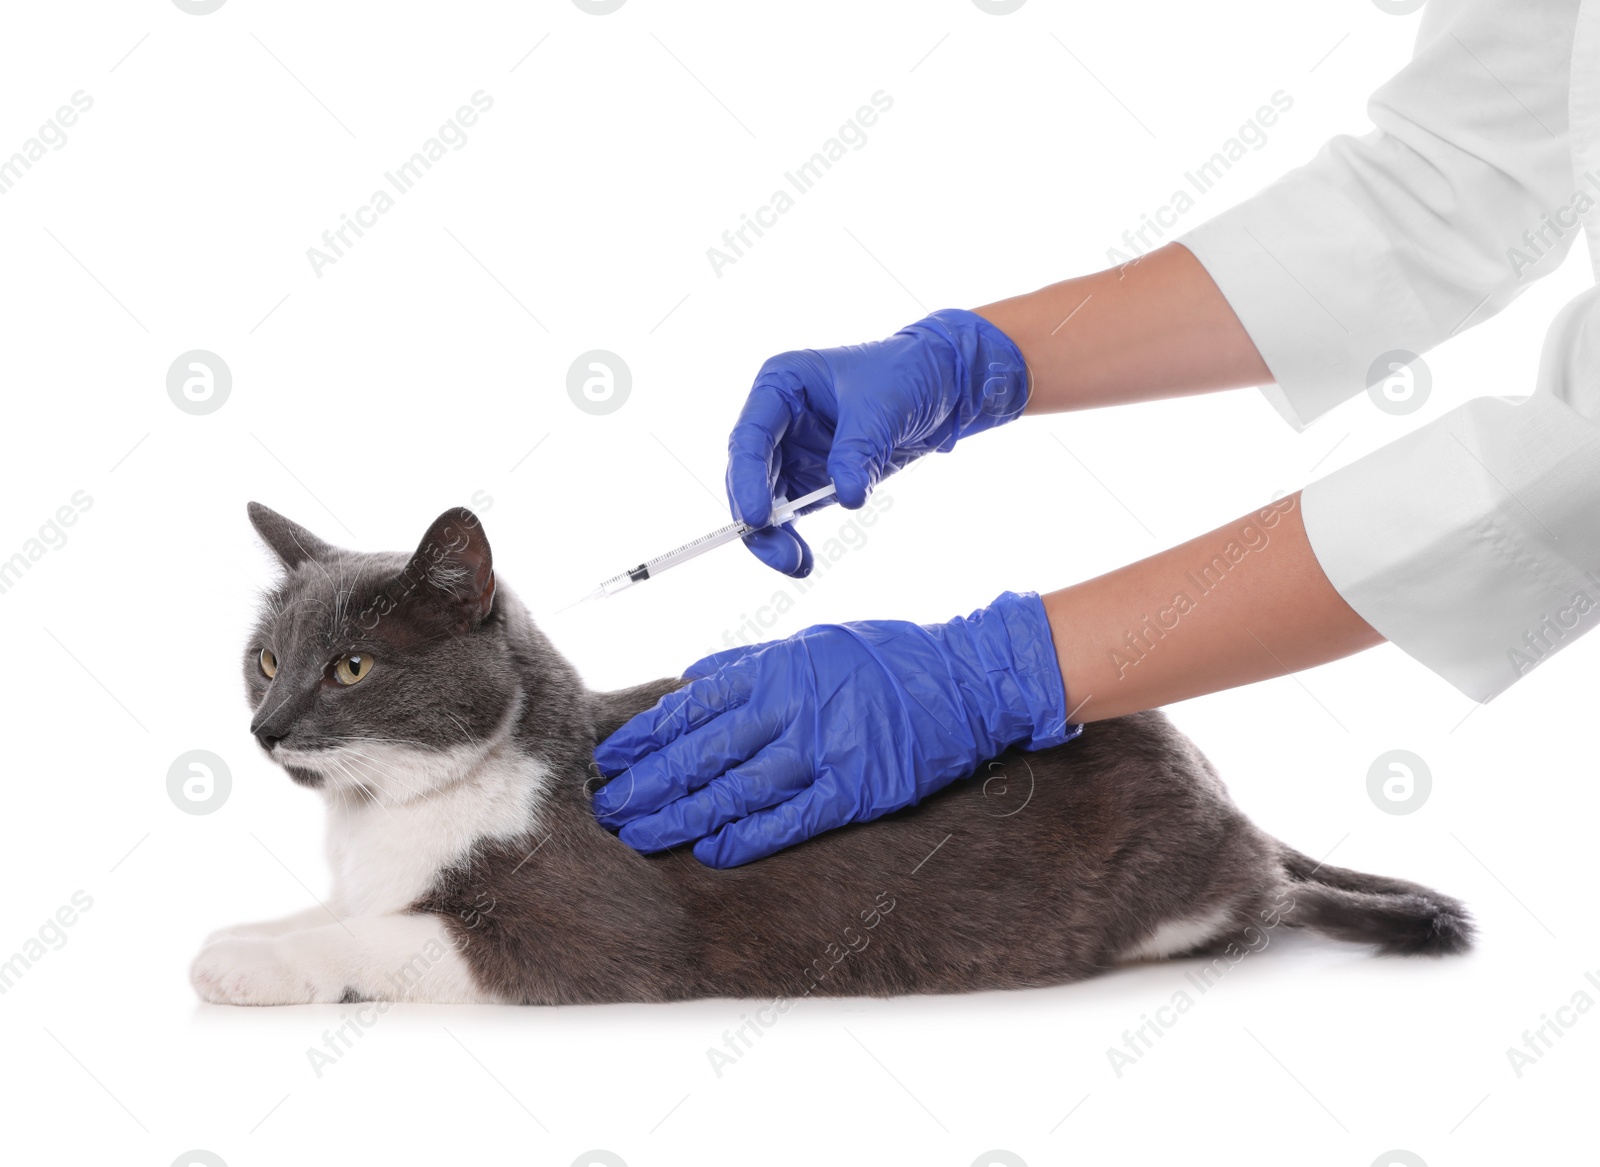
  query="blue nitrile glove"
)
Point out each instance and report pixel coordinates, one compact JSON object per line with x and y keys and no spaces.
{"x":859,"y":413}
{"x":841,"y":723}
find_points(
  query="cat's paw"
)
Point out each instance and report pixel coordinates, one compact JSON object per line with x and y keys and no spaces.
{"x":232,"y":932}
{"x":242,"y":970}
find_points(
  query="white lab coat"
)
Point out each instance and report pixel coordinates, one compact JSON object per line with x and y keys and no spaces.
{"x":1473,"y":543}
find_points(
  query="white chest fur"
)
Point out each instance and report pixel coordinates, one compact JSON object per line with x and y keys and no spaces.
{"x":386,"y":853}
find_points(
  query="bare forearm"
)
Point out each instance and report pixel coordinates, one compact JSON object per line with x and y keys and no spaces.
{"x":1243,"y":603}
{"x":1155,"y":328}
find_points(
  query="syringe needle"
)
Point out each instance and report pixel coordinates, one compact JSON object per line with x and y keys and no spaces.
{"x":783,"y":511}
{"x":597,"y":594}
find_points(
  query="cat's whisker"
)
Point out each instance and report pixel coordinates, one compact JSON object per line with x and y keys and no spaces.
{"x":365,"y":739}
{"x":359,"y":789}
{"x":341,"y":599}
{"x":342,"y":768}
{"x":372,"y":763}
{"x":291,"y":605}
{"x":384,"y":771}
{"x":339,"y":766}
{"x":370,"y":795}
{"x":320,"y":567}
{"x":471,"y":737}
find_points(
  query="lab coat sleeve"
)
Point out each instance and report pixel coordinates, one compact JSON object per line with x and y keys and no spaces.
{"x":1472,"y":543}
{"x":1399,"y":238}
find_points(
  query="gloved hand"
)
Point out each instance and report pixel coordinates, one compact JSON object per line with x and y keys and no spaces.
{"x":859,"y":413}
{"x":840,"y":723}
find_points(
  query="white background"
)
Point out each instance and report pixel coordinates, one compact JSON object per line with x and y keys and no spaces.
{"x":421,"y":368}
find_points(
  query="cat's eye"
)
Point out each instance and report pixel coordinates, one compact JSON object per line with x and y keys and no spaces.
{"x":269,"y":663}
{"x":350,"y":669}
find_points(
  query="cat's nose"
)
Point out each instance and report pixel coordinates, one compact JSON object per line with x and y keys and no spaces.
{"x":276,"y":719}
{"x":273,"y":727}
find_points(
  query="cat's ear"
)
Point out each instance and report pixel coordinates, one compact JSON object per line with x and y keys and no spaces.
{"x":290,"y":542}
{"x":454,"y":565}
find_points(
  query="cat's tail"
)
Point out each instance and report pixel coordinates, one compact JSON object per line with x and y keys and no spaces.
{"x":1401,"y":918}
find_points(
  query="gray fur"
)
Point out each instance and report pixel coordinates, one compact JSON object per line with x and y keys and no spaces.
{"x":1042,"y":868}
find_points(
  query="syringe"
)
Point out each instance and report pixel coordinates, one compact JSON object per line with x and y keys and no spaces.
{"x":782,"y":511}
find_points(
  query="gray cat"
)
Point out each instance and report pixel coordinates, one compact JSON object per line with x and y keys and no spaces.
{"x":453,"y":747}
